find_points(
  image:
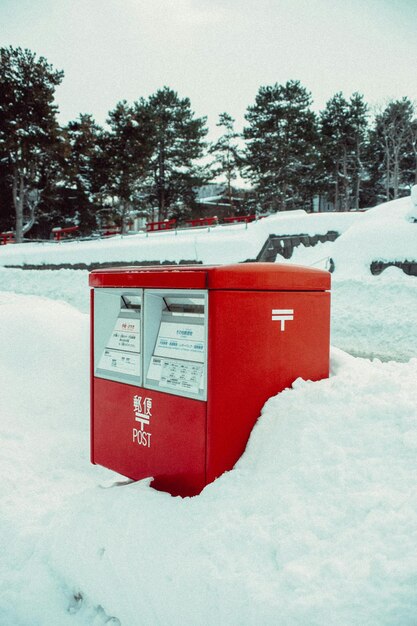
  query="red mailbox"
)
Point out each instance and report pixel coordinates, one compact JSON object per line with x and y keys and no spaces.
{"x":184,"y":357}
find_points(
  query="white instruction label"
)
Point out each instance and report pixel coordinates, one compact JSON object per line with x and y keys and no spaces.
{"x":181,"y":341}
{"x":179,"y":375}
{"x":125,"y":335}
{"x":120,"y":361}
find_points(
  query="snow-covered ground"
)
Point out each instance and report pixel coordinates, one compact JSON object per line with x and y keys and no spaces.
{"x":316,"y":524}
{"x":225,"y":244}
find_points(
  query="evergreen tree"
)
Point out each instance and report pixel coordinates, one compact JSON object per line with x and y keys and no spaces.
{"x":125,"y":156}
{"x":177,"y":145}
{"x":281,"y":141}
{"x":226,"y":153}
{"x":343,"y":130}
{"x":358,"y":110}
{"x":28,"y":128}
{"x":82,"y":160}
{"x":6,"y":197}
{"x":411,"y":158}
{"x":392,"y":142}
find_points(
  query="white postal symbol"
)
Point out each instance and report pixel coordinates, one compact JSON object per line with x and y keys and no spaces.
{"x":282,"y":315}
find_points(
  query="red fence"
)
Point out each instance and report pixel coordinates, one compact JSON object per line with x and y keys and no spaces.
{"x":61,"y":232}
{"x":201,"y":221}
{"x":7,"y":237}
{"x":164,"y":225}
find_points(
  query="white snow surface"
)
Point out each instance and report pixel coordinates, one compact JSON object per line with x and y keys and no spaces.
{"x":317,"y":522}
{"x":219,"y":244}
{"x":385,"y":233}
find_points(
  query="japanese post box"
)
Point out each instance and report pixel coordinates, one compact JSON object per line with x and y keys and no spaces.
{"x":184,"y":357}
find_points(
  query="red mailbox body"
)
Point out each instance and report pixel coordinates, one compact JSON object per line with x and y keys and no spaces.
{"x":264,"y":326}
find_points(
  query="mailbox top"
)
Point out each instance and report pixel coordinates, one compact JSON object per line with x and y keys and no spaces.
{"x":242,"y":276}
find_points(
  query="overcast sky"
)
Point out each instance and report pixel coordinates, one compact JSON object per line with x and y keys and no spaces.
{"x":217,"y":52}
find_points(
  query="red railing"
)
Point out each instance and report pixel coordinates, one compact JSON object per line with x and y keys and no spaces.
{"x":61,"y":232}
{"x":7,"y":237}
{"x":235,"y":219}
{"x":164,"y":225}
{"x":109,"y":232}
{"x":202,"y":221}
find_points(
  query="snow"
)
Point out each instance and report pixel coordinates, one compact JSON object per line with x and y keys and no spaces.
{"x":225,"y":244}
{"x":385,"y":233}
{"x":316,"y":524}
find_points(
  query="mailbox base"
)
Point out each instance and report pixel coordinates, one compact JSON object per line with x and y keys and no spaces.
{"x":141,"y":432}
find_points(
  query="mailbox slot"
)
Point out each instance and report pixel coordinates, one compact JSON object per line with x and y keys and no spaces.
{"x":117,"y":335}
{"x":175,"y":342}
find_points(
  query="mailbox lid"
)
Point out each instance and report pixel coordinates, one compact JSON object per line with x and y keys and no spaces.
{"x":240,"y":276}
{"x":152,"y":276}
{"x":268,"y":277}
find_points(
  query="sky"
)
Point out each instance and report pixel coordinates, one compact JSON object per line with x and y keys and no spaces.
{"x":217,"y":52}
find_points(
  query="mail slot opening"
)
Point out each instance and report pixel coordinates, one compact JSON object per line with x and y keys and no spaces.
{"x":131,"y":302}
{"x":184,"y":306}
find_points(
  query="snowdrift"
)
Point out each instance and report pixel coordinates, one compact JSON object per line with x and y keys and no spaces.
{"x":219,"y":244}
{"x":386,"y":233}
{"x":316,"y":523}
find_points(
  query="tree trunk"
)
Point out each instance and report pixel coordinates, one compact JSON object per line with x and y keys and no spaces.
{"x":229,"y":173}
{"x":336,"y":189}
{"x":18,"y":201}
{"x":358,"y":177}
{"x":388,"y":175}
{"x":26,"y":228}
{"x":396,"y":174}
{"x":229,"y":189}
{"x":282,"y":202}
{"x":345,"y":201}
{"x":161,"y":184}
{"x":123,"y":229}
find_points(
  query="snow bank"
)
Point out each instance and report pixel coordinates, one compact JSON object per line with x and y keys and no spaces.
{"x":386,"y":233}
{"x":315,"y":525}
{"x":44,"y":400}
{"x":70,"y":286}
{"x":220,"y":244}
{"x":376,"y":316}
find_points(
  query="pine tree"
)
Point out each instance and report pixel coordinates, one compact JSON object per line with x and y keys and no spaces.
{"x":391,"y":143}
{"x":411,"y":158}
{"x":29,"y":132}
{"x":82,"y":141}
{"x":281,"y":141}
{"x":343,"y":129}
{"x":358,"y":110}
{"x":126,"y":151}
{"x":6,"y":197}
{"x":178,"y":144}
{"x":226,"y":153}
